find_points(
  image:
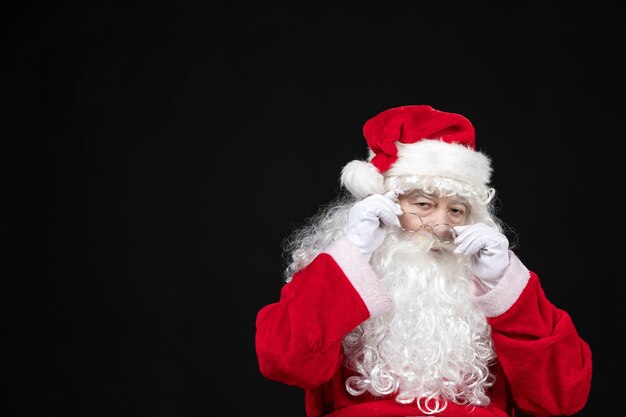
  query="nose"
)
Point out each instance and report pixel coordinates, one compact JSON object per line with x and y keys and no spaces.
{"x":436,"y":224}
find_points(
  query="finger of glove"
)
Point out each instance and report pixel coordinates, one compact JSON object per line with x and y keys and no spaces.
{"x":483,"y":244}
{"x":365,"y":216}
{"x":390,"y":209}
{"x":460,"y":229}
{"x":378,"y":204}
{"x":471,"y":246}
{"x":389,"y":219}
{"x":473,"y":228}
{"x":393,"y":194}
{"x":473,"y":238}
{"x":491,"y":238}
{"x":367,"y":209}
{"x":392,"y":197}
{"x":473,"y":231}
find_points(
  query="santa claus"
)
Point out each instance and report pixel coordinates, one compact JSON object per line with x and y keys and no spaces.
{"x":404,"y":296}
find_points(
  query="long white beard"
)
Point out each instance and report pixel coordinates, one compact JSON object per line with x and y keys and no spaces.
{"x":435,"y":344}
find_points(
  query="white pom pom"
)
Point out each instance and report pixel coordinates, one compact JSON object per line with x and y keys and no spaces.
{"x":362,"y":179}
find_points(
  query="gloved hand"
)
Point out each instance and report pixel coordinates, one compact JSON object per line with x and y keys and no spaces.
{"x":365,"y":217}
{"x":488,"y":249}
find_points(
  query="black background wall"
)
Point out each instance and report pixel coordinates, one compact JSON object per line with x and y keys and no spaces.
{"x":155,"y":155}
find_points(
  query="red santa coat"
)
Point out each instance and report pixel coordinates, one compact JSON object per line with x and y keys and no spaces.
{"x":543,"y":367}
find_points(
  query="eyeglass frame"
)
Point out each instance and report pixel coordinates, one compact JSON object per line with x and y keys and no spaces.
{"x":430,"y":228}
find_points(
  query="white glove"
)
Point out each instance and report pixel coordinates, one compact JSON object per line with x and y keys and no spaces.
{"x":488,"y":249}
{"x":365,"y":217}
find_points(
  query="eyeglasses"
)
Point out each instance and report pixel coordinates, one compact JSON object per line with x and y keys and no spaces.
{"x":443,"y":232}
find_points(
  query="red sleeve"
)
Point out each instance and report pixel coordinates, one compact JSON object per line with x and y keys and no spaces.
{"x":546,"y":363}
{"x":298,"y":339}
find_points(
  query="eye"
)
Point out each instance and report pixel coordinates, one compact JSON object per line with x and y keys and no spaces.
{"x":457,"y":212}
{"x":423,"y":206}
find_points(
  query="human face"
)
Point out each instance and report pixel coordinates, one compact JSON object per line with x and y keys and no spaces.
{"x":432,"y":210}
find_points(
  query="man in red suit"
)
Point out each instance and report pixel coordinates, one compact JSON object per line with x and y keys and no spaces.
{"x":405,"y":298}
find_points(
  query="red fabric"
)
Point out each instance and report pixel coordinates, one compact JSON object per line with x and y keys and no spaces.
{"x":547,"y":363}
{"x":409,"y":124}
{"x":544,"y":367}
{"x":298,"y":340}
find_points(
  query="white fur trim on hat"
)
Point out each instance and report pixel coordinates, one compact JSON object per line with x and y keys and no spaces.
{"x":443,"y":159}
{"x":427,"y":158}
{"x":362,"y":179}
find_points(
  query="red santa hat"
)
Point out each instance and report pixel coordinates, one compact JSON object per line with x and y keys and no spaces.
{"x":417,"y":141}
